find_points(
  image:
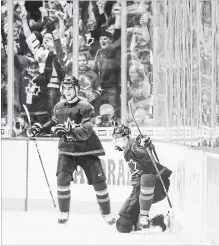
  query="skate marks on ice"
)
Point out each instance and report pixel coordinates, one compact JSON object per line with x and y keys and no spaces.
{"x":42,"y":228}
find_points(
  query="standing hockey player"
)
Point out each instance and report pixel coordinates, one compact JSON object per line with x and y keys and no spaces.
{"x":147,"y":188}
{"x":78,"y":146}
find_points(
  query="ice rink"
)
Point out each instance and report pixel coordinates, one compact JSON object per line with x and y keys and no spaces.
{"x":41,"y":228}
{"x":193,"y":193}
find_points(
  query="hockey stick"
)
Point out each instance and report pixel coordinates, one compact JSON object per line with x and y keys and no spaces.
{"x":41,"y":162}
{"x":152,"y":159}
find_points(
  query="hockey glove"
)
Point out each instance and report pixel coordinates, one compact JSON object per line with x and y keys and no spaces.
{"x":35,"y":130}
{"x":69,"y":138}
{"x":145,"y":142}
{"x":60,"y":131}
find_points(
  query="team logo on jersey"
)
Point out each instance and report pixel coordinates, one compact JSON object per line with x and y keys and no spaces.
{"x":132,"y":168}
{"x":70,"y":125}
{"x":33,"y":89}
{"x":89,"y":39}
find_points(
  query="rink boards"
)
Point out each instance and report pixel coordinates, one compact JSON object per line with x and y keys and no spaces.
{"x":194,"y":187}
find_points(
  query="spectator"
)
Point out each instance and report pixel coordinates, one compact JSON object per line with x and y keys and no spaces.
{"x":107,"y":66}
{"x":3,"y":85}
{"x":30,"y":88}
{"x":106,"y":117}
{"x":66,"y":43}
{"x":139,"y":80}
{"x":44,"y":52}
{"x":139,"y":45}
{"x":114,"y":27}
{"x":34,"y":93}
{"x":90,"y":87}
{"x":139,"y":90}
{"x":92,"y":19}
{"x":206,"y":110}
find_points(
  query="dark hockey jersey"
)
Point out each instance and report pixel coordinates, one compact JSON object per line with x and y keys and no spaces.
{"x":80,"y":116}
{"x":139,"y":162}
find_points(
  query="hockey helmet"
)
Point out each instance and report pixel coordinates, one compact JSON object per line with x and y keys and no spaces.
{"x":70,"y":80}
{"x":124,"y":224}
{"x":121,"y":131}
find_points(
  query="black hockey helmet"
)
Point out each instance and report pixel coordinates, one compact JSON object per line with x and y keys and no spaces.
{"x":121,"y":131}
{"x":70,"y":80}
{"x":124,"y":224}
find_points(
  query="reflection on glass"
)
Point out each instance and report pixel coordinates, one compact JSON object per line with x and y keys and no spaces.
{"x":100,"y":58}
{"x":139,"y":67}
{"x":215,"y":23}
{"x":4,"y":34}
{"x":188,"y":67}
{"x":171,"y":82}
{"x":206,"y":63}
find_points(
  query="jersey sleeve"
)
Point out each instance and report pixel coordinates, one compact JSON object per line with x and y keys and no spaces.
{"x":55,"y":116}
{"x":33,"y":44}
{"x":53,"y":122}
{"x":141,"y":154}
{"x":138,"y":150}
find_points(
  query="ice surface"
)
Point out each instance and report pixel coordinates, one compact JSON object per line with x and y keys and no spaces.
{"x":41,"y":228}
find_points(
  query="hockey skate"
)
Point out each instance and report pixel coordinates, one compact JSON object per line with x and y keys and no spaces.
{"x":109,"y":219}
{"x":144,"y":222}
{"x":63,"y":218}
{"x":158,"y":220}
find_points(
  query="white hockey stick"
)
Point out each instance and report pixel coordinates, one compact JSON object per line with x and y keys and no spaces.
{"x":41,"y":162}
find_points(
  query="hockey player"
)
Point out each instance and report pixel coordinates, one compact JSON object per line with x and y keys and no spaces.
{"x":78,"y":146}
{"x":147,"y":188}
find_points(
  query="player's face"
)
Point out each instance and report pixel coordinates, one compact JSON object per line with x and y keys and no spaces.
{"x":69,"y":92}
{"x":121,"y":142}
{"x":82,"y":61}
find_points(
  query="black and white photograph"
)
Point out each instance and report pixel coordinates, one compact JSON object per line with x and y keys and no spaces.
{"x":110,"y":122}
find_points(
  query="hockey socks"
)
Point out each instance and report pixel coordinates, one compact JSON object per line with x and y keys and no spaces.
{"x":103,"y":197}
{"x":64,"y":192}
{"x":146,"y":196}
{"x":64,"y":196}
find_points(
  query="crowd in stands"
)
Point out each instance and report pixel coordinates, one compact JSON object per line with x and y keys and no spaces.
{"x":43,"y":56}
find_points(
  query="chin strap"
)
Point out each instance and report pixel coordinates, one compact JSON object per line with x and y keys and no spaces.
{"x":74,"y":99}
{"x":72,"y":102}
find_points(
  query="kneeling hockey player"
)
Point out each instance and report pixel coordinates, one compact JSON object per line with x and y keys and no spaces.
{"x":78,"y":146}
{"x":147,"y":188}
